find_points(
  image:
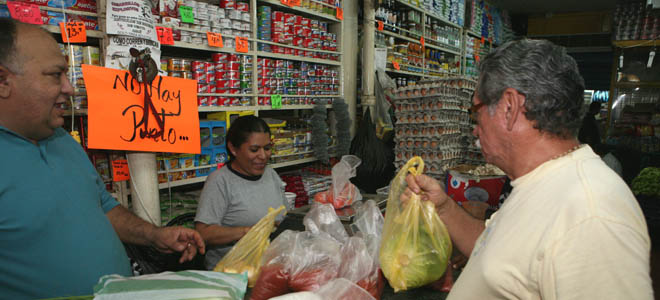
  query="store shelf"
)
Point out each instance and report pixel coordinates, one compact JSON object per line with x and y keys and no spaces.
{"x":641,"y":84}
{"x":178,"y":44}
{"x":473,"y":34}
{"x":398,"y":36}
{"x":90,"y":33}
{"x":256,"y":107}
{"x":299,"y":58}
{"x":413,"y":73}
{"x":422,"y":10}
{"x":299,"y":48}
{"x":305,"y":11}
{"x":188,"y":181}
{"x":302,"y":96}
{"x":224,"y":95}
{"x":636,"y":43}
{"x":427,"y":45}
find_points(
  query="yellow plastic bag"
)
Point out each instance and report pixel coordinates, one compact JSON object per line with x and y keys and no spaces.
{"x":416,"y":246}
{"x":245,"y":256}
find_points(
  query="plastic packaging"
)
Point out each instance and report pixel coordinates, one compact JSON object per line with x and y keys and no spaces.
{"x":342,"y":192}
{"x":418,"y":247}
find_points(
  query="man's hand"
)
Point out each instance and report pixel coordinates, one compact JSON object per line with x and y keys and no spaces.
{"x":178,"y":239}
{"x":428,"y":189}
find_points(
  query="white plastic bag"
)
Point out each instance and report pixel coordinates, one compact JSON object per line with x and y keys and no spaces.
{"x":342,"y":192}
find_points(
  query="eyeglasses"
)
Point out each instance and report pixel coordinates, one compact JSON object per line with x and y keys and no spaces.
{"x":474,"y":109}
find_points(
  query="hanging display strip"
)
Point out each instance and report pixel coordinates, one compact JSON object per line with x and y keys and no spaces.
{"x":433,"y":122}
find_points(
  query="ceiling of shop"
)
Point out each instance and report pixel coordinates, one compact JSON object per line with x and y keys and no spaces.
{"x":553,"y":6}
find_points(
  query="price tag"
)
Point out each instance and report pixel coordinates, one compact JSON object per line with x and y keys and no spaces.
{"x":381,"y":26}
{"x":242,"y":44}
{"x":483,"y":40}
{"x":165,"y":35}
{"x":120,"y":170}
{"x":477,"y":58}
{"x":26,"y":13}
{"x":340,"y":13}
{"x":396,"y":65}
{"x":276,"y":101}
{"x":293,"y":3}
{"x":187,"y":14}
{"x":285,"y":2}
{"x":421,"y":41}
{"x":73,"y":32}
{"x":215,"y":39}
{"x":220,"y":165}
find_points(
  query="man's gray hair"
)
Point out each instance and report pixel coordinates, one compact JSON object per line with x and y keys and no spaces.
{"x":547,"y":76}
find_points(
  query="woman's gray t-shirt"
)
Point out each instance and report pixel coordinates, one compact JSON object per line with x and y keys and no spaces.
{"x":230,"y":200}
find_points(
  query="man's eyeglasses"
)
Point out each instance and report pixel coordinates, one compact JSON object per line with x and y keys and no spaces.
{"x":474,"y":109}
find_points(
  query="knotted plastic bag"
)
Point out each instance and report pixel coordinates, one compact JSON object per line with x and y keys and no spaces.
{"x":245,"y":256}
{"x":342,"y":192}
{"x":416,"y":247}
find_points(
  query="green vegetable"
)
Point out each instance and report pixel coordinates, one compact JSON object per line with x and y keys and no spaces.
{"x":647,"y":182}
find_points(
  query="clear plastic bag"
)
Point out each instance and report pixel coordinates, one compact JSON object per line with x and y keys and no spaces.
{"x":341,"y":289}
{"x":322,"y":218}
{"x":342,"y":192}
{"x":245,"y":256}
{"x":417,"y":246}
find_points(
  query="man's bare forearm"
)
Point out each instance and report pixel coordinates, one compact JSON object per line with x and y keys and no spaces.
{"x":129,"y":227}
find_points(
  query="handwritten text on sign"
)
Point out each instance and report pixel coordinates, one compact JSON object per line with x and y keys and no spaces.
{"x":26,"y":13}
{"x":73,"y":32}
{"x":120,"y":170}
{"x":117,"y":110}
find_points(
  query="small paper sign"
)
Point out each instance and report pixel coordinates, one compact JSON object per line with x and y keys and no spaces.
{"x":165,"y":35}
{"x":73,"y":32}
{"x":276,"y":101}
{"x":187,"y":15}
{"x":293,"y":3}
{"x":381,"y":26}
{"x":340,"y":13}
{"x":242,"y":44}
{"x":285,"y":2}
{"x":120,"y":170}
{"x":396,"y":65}
{"x":483,"y":40}
{"x":421,"y":40}
{"x":477,"y":58}
{"x":26,"y":13}
{"x":214,"y":39}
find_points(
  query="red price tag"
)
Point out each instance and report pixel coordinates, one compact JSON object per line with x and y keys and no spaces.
{"x":477,"y":58}
{"x":293,"y":3}
{"x":220,"y":165}
{"x":120,"y":170}
{"x":165,"y":35}
{"x":26,"y":13}
{"x":381,"y":26}
{"x":483,"y":40}
{"x":421,"y":40}
{"x":396,"y":65}
{"x":242,"y":44}
{"x":214,"y":39}
{"x":73,"y":32}
{"x":285,"y":2}
{"x":340,"y":13}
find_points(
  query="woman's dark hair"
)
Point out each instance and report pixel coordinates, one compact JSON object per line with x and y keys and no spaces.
{"x":545,"y":74}
{"x":241,"y":128}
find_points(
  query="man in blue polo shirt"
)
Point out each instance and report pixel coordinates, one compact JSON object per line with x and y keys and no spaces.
{"x":60,"y":230}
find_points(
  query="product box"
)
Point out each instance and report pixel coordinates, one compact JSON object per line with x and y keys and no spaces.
{"x":483,"y":188}
{"x":55,"y":18}
{"x":228,"y":116}
{"x":78,"y":5}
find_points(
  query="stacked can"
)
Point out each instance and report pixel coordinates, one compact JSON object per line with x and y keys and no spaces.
{"x":285,"y":77}
{"x":237,"y":15}
{"x":204,"y":73}
{"x":298,"y":31}
{"x":232,"y":75}
{"x":264,"y":27}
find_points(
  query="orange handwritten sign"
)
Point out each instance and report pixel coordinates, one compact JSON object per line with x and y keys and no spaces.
{"x":120,"y":118}
{"x":24,"y":12}
{"x":421,"y":41}
{"x":483,"y":40}
{"x":395,"y":64}
{"x":293,"y":3}
{"x":285,"y":2}
{"x":74,"y":32}
{"x":241,"y":44}
{"x":165,"y":36}
{"x":381,"y":26}
{"x":120,"y":170}
{"x":214,"y":39}
{"x":340,"y":13}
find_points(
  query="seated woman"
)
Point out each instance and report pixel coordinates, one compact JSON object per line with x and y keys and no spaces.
{"x":238,"y":195}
